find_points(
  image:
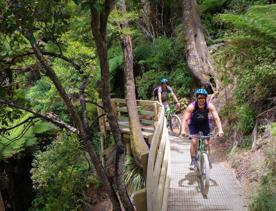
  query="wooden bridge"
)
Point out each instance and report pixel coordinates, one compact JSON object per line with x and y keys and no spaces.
{"x":164,"y":190}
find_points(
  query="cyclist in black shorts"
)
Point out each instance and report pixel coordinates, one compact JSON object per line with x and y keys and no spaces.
{"x":196,"y":118}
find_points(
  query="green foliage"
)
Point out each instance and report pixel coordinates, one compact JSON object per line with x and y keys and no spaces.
{"x":211,"y":6}
{"x":265,"y":197}
{"x":246,"y":118}
{"x":28,"y":16}
{"x":246,"y":142}
{"x":60,"y":175}
{"x":257,"y":84}
{"x":155,"y":54}
{"x":259,"y":20}
{"x":159,"y":59}
{"x":22,"y":137}
{"x":181,"y":80}
{"x":241,"y":6}
{"x":148,"y":82}
{"x":133,"y":175}
{"x":273,"y":128}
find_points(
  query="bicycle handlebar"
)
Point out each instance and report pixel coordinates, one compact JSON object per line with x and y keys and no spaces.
{"x":202,"y":136}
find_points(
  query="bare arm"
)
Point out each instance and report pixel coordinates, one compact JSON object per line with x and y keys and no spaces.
{"x":188,"y":112}
{"x":174,"y":98}
{"x":216,"y":118}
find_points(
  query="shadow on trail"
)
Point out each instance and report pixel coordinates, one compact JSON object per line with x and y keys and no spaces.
{"x":192,"y":180}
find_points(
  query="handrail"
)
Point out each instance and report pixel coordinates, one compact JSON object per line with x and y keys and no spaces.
{"x":158,"y":169}
{"x":158,"y":165}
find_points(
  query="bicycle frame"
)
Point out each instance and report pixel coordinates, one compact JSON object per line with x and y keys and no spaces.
{"x":202,"y":164}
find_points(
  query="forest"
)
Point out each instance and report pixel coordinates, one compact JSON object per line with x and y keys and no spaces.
{"x":61,"y":61}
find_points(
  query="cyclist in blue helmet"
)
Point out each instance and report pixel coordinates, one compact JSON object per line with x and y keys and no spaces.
{"x":162,"y":94}
{"x":196,"y":120}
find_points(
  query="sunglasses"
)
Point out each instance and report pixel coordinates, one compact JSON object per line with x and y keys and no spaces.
{"x":200,"y":98}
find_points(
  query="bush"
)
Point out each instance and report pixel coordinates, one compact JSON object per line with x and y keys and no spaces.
{"x":246,"y":118}
{"x":61,"y":175}
{"x":246,"y":142}
{"x":265,"y":197}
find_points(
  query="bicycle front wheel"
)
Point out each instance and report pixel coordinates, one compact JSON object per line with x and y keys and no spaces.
{"x":204,"y":170}
{"x":175,"y":125}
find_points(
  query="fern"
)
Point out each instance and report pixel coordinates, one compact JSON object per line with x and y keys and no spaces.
{"x":133,"y":176}
{"x":211,"y":5}
{"x":22,"y":137}
{"x":260,"y":20}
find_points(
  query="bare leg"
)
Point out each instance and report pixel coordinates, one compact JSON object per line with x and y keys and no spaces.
{"x":193,"y":148}
{"x":208,"y":147}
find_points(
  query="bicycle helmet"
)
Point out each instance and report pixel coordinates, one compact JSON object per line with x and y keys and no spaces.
{"x":201,"y":92}
{"x":164,"y":81}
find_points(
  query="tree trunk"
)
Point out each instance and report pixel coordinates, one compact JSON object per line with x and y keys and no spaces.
{"x":2,"y":205}
{"x":98,"y":26}
{"x":138,"y":145}
{"x":77,"y":120}
{"x":147,"y":25}
{"x":197,"y":54}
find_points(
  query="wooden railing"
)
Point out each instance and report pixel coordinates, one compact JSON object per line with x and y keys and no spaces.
{"x":158,"y":169}
{"x":154,"y":129}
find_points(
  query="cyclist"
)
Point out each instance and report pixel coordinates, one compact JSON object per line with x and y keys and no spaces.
{"x":196,"y":118}
{"x":162,"y":94}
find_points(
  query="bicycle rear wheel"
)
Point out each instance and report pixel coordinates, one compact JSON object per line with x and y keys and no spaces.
{"x":175,"y":125}
{"x":204,"y":171}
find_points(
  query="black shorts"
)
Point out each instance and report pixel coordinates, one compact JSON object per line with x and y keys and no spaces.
{"x":194,"y":129}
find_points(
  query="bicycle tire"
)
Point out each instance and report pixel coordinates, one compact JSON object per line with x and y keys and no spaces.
{"x":175,"y":125}
{"x":205,"y":176}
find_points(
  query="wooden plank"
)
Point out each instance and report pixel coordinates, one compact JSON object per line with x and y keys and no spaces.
{"x":141,"y":111}
{"x":147,"y":122}
{"x":168,"y":180}
{"x":151,"y":159}
{"x":158,"y":164}
{"x":161,"y":184}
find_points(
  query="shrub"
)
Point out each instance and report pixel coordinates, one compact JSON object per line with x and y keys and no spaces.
{"x":265,"y":197}
{"x":61,"y":175}
{"x":246,"y":118}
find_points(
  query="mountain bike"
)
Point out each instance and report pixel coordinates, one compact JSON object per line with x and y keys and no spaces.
{"x":174,"y":122}
{"x":202,"y":166}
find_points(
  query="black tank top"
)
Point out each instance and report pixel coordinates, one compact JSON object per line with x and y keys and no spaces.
{"x":200,"y":116}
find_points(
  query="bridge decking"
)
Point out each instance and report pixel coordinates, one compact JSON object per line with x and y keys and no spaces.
{"x":224,"y":192}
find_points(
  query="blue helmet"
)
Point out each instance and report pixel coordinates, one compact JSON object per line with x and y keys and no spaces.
{"x":201,"y":92}
{"x":164,"y":81}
